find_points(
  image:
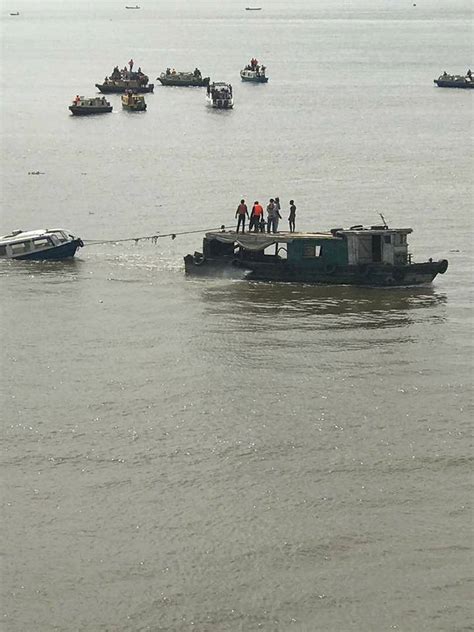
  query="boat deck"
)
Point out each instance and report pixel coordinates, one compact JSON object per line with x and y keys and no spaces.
{"x":256,"y":238}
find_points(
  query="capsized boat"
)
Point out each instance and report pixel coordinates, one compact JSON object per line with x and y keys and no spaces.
{"x":123,"y":80}
{"x":374,"y":256}
{"x":455,"y":81}
{"x":184,"y":79}
{"x":93,"y":105}
{"x":220,"y":95}
{"x":133,"y":102}
{"x":53,"y":243}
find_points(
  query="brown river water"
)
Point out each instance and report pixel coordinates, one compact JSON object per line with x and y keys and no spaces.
{"x":218,"y":455}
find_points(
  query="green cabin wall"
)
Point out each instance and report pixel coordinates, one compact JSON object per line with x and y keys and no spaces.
{"x":333,"y":252}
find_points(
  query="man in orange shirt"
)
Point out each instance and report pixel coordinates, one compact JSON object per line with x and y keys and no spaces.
{"x":256,"y":217}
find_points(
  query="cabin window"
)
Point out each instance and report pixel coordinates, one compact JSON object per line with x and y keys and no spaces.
{"x":60,"y":236}
{"x":3,"y":250}
{"x":388,"y":239}
{"x":17,"y":249}
{"x":42,"y":242}
{"x":401,"y":239}
{"x":282,"y":251}
{"x":311,"y":250}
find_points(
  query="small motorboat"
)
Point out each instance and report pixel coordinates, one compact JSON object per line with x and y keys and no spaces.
{"x":254,"y":72}
{"x":253,"y":8}
{"x":455,"y":81}
{"x":55,"y":243}
{"x":183,"y":79}
{"x":15,"y":13}
{"x":93,"y":105}
{"x":220,"y":96}
{"x":133,"y":102}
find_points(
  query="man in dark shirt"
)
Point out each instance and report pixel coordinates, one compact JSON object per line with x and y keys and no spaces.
{"x":241,"y":213}
{"x":292,"y":216}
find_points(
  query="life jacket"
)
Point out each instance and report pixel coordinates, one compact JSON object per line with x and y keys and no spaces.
{"x":258,"y":210}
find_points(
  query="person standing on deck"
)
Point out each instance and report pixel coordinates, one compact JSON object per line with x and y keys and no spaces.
{"x":277,"y":214}
{"x":130,"y":63}
{"x":241,"y":213}
{"x":271,"y":212}
{"x":256,"y":217}
{"x":292,"y":216}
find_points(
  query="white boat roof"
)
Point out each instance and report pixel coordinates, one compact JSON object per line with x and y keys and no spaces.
{"x":20,"y":235}
{"x":264,"y":239}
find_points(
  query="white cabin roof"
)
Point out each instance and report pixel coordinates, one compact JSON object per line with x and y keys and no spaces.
{"x":20,"y":235}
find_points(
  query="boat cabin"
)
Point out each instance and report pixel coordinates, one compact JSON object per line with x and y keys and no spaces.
{"x":353,"y":247}
{"x":19,"y":243}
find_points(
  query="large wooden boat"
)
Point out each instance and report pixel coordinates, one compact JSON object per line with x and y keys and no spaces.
{"x":124,"y":80}
{"x":39,"y":244}
{"x":183,"y":79}
{"x":93,"y":105}
{"x":374,"y":256}
{"x":455,"y":81}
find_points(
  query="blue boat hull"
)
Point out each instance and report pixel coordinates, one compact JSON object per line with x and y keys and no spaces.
{"x":64,"y":251}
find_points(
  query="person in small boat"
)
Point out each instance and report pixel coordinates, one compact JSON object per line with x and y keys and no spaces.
{"x":292,"y":216}
{"x":445,"y":74}
{"x":262,"y":70}
{"x":241,"y":213}
{"x":130,"y":63}
{"x":77,"y":100}
{"x":197,"y":73}
{"x":469,"y":74}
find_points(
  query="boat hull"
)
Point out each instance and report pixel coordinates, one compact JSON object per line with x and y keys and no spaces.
{"x":254,"y":79}
{"x":107,"y":88}
{"x":56,"y":253}
{"x":368,"y":275}
{"x":220,"y":104}
{"x":446,"y":83}
{"x":194,"y":83}
{"x":78,"y":110}
{"x":134,"y":108}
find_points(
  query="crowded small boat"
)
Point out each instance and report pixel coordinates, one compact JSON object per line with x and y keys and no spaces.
{"x":455,"y":81}
{"x":254,"y":72}
{"x":373,"y":256}
{"x":92,"y":105}
{"x":39,"y":244}
{"x":133,"y":102}
{"x":220,"y":95}
{"x":126,"y":79}
{"x":183,"y":79}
